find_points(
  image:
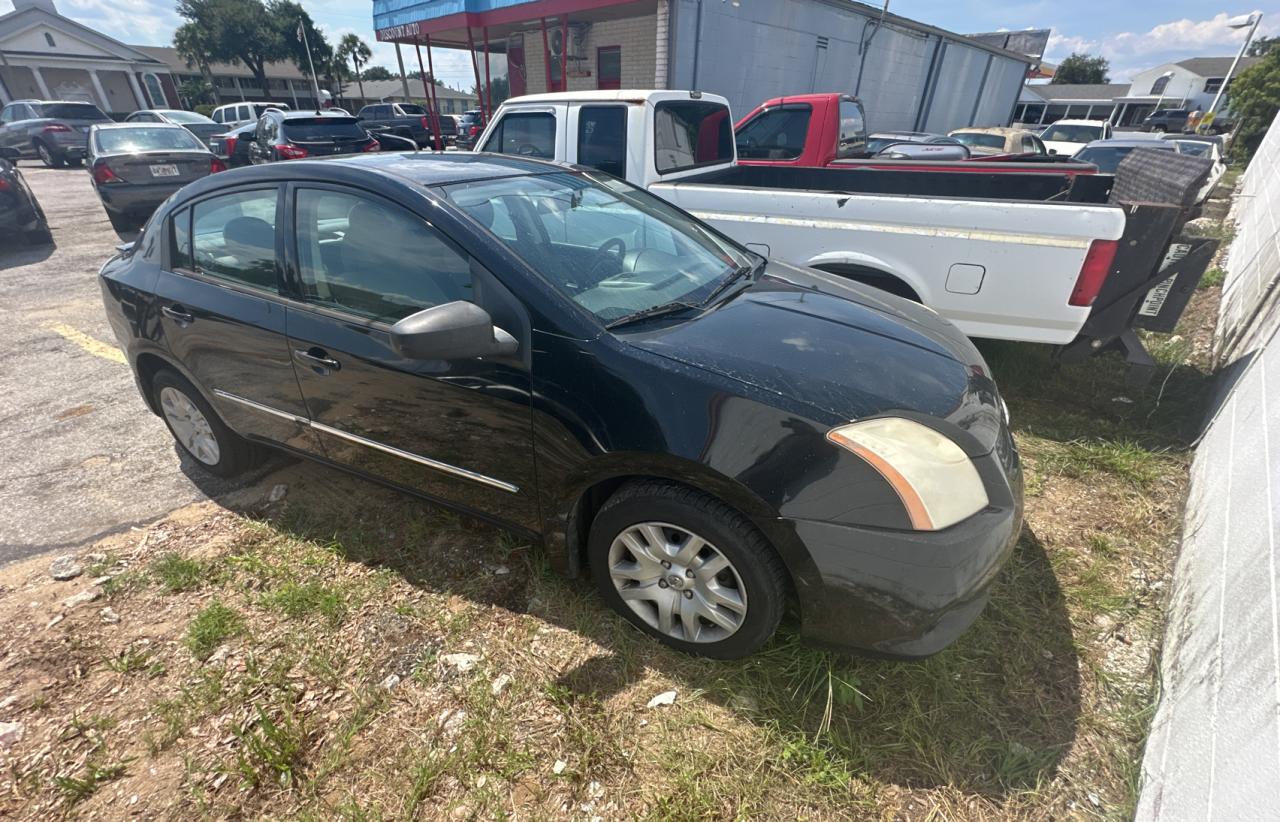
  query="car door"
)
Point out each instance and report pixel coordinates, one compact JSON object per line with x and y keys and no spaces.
{"x":455,"y":430}
{"x":221,"y":315}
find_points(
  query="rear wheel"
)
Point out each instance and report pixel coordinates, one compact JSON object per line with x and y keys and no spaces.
{"x":687,"y":569}
{"x":198,"y":428}
{"x":1158,"y":129}
{"x":48,"y":156}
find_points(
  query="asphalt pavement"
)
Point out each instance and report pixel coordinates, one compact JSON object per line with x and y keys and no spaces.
{"x":80,"y":454}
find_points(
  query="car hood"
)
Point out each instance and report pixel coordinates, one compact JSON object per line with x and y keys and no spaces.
{"x":839,"y":346}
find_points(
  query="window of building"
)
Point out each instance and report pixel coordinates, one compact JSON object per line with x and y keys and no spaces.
{"x":528,"y":135}
{"x":602,"y":138}
{"x":609,"y":66}
{"x":48,"y":38}
{"x":690,"y":133}
{"x":154,"y":90}
{"x":373,"y":259}
{"x":1160,"y":85}
{"x":1212,"y":85}
{"x":234,"y":238}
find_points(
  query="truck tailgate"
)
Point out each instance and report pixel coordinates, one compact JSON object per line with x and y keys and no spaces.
{"x":1002,"y":269}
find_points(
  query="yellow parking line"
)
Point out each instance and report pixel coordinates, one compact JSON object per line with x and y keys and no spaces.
{"x":94,"y":347}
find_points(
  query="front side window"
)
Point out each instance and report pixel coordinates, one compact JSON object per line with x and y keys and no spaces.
{"x":853,"y":130}
{"x":777,"y":133}
{"x":180,"y":240}
{"x":527,"y":135}
{"x":602,"y":138}
{"x":372,"y":259}
{"x":73,"y":111}
{"x":234,"y":238}
{"x":610,"y":247}
{"x":689,"y":133}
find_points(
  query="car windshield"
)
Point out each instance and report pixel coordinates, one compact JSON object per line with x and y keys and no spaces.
{"x":1107,"y":158}
{"x":72,"y":111}
{"x":975,"y":139}
{"x":323,"y":128}
{"x":149,"y":138}
{"x":613,"y":249}
{"x":186,"y":118}
{"x":1069,"y":133}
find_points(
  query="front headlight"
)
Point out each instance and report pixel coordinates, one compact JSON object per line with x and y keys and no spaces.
{"x":935,"y":480}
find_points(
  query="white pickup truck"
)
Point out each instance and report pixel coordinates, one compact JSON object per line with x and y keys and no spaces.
{"x":993,"y":253}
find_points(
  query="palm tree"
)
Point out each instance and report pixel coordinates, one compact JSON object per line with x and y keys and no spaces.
{"x":352,"y":48}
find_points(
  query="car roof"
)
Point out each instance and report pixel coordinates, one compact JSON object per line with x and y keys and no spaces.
{"x":1077,"y":123}
{"x":306,"y":114}
{"x":1131,"y":142}
{"x":119,"y":126}
{"x":617,"y":95}
{"x":1002,"y":130}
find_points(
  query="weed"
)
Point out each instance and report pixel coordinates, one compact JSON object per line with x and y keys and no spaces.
{"x":135,"y":658}
{"x":298,"y":600}
{"x":76,"y":789}
{"x":271,"y":750}
{"x":1213,"y":278}
{"x":125,"y":583}
{"x":178,"y":573}
{"x":215,"y":624}
{"x":1123,"y":458}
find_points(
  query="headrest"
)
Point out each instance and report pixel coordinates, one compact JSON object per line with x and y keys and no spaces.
{"x":251,"y":232}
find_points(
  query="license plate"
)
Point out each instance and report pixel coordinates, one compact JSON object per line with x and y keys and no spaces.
{"x":169,"y":170}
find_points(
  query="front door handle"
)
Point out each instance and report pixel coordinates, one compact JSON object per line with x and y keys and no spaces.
{"x":318,"y":359}
{"x":178,"y":314}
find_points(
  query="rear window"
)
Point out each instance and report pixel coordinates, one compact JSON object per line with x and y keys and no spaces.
{"x":260,"y":109}
{"x":1107,"y":158}
{"x":1071,"y":133}
{"x":969,"y":138}
{"x":690,"y":133}
{"x":776,"y":134}
{"x":410,"y":108}
{"x":187,"y":117}
{"x":323,"y":128}
{"x":127,"y":140}
{"x":72,"y":111}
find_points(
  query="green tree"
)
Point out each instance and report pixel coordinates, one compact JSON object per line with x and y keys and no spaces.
{"x":1262,"y":46}
{"x":356,"y":51}
{"x":194,"y":44}
{"x":377,"y":73}
{"x":196,"y":92}
{"x":1255,"y":99}
{"x":241,"y":31}
{"x":287,"y":16}
{"x":1082,"y":68}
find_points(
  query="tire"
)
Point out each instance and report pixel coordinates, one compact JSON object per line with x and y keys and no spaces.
{"x":754,"y":577}
{"x":234,"y":455}
{"x":1158,"y":129}
{"x":47,"y":156}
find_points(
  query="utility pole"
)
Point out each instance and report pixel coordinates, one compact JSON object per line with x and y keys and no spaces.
{"x":1255,"y":19}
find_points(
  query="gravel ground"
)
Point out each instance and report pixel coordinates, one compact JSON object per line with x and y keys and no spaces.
{"x":82,"y":455}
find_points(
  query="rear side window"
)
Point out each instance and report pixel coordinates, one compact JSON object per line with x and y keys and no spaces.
{"x":689,"y":133}
{"x":374,"y":259}
{"x":234,"y":238}
{"x":412,"y":110}
{"x":775,"y":134}
{"x":528,"y":135}
{"x":602,"y":138}
{"x":180,"y":240}
{"x":853,"y":131}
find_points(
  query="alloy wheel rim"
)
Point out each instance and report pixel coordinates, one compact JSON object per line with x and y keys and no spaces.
{"x":677,"y":582}
{"x":189,"y":426}
{"x":46,"y":156}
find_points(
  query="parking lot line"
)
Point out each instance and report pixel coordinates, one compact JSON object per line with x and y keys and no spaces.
{"x":94,"y":347}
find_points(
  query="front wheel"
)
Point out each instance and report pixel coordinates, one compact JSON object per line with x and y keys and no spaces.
{"x":687,"y":569}
{"x":48,"y":157}
{"x":1158,"y":129}
{"x":197,"y":427}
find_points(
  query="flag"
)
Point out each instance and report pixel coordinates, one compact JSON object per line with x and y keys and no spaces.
{"x":301,"y":31}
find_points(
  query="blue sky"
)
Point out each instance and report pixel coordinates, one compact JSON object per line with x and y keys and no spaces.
{"x":1132,"y":35}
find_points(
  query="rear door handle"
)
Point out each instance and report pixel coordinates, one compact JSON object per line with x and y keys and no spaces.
{"x":178,"y":314}
{"x":318,"y":359}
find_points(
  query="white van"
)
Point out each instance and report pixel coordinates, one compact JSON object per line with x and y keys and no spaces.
{"x":234,"y":114}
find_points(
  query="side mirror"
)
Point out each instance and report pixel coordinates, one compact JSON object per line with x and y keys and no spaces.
{"x":453,"y":331}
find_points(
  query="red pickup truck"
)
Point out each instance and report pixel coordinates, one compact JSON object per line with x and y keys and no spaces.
{"x":821,"y":130}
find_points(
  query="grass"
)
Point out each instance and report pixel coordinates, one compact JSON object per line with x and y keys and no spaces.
{"x":300,"y":600}
{"x":215,"y":624}
{"x":1212,"y":278}
{"x":177,"y":573}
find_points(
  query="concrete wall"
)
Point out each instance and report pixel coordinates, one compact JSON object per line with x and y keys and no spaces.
{"x":1214,"y":749}
{"x":756,"y":51}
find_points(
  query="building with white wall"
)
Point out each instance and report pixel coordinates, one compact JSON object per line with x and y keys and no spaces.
{"x":909,"y":75}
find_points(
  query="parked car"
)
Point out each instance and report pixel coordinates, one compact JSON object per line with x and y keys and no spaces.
{"x":933,"y":150}
{"x":996,"y":141}
{"x":20,"y":212}
{"x":469,"y":129}
{"x":1066,"y":137}
{"x":55,"y":131}
{"x":197,"y":124}
{"x":135,"y":167}
{"x":293,"y":135}
{"x":1107,"y":154}
{"x":407,"y":120}
{"x":449,"y":323}
{"x":1209,"y":147}
{"x":1166,"y":119}
{"x":233,"y":146}
{"x":237,"y":114}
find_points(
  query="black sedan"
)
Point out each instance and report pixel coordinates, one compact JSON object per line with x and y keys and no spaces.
{"x":136,"y":167}
{"x":20,"y":212}
{"x":232,"y":147}
{"x":705,"y":432}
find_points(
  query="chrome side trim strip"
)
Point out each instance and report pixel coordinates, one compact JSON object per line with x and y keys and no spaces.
{"x":427,"y":461}
{"x":387,"y":449}
{"x":257,"y":406}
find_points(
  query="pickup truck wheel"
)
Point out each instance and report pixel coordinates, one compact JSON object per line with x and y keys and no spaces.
{"x":687,"y":569}
{"x":199,"y":430}
{"x":1158,"y":129}
{"x":47,"y":156}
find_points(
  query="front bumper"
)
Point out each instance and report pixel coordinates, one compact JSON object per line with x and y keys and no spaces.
{"x":911,"y":593}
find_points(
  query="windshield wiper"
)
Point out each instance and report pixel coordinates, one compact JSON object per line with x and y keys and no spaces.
{"x":672,"y":307}
{"x":737,"y":274}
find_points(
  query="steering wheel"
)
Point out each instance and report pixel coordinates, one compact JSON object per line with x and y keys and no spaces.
{"x":612,"y":250}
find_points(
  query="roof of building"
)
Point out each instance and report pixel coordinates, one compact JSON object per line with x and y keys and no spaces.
{"x":29,"y":12}
{"x":169,"y":55}
{"x":1215,"y":66}
{"x":1079,"y":91}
